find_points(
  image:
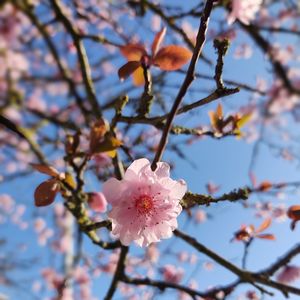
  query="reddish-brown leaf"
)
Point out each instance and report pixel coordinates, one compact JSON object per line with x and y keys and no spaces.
{"x":158,"y":40}
{"x":45,"y":193}
{"x":265,"y":186}
{"x":266,"y":236}
{"x":219,"y":111}
{"x":294,"y":212}
{"x":138,"y":77}
{"x":97,"y":133}
{"x":45,"y":169}
{"x":213,"y":119}
{"x":127,"y":69}
{"x":133,"y":52}
{"x":264,"y":225}
{"x":172,"y":57}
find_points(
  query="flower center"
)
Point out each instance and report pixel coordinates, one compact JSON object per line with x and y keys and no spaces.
{"x":144,"y":204}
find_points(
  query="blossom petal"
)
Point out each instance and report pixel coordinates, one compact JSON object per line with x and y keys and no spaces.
{"x":112,"y":190}
{"x":138,"y":164}
{"x":163,"y":169}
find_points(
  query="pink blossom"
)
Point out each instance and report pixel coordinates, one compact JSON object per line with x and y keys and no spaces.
{"x":152,"y":253}
{"x":200,"y":216}
{"x":289,"y":274}
{"x":208,"y":266}
{"x":39,"y":225}
{"x":145,"y":204}
{"x":97,"y":202}
{"x":243,"y":51}
{"x":251,"y":295}
{"x":244,"y":10}
{"x":172,"y":274}
{"x":44,"y":236}
{"x":183,"y":256}
{"x":7,"y":204}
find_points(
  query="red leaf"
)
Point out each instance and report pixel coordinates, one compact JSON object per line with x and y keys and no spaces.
{"x":45,"y":169}
{"x":294,"y":212}
{"x":45,"y":193}
{"x":266,"y":236}
{"x":133,"y":52}
{"x":264,"y":225}
{"x":128,"y":69}
{"x":158,"y":40}
{"x":265,"y":186}
{"x":172,"y":57}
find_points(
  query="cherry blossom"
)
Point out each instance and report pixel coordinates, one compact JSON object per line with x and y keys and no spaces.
{"x":172,"y":274}
{"x":244,"y":10}
{"x":145,"y":204}
{"x":97,"y":202}
{"x":289,"y":274}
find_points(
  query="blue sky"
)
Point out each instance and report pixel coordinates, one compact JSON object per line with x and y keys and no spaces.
{"x":225,"y":162}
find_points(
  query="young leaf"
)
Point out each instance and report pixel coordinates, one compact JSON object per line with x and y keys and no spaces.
{"x":45,"y":169}
{"x":138,"y":77}
{"x":294,"y":212}
{"x":109,"y":145}
{"x":158,"y":40}
{"x":213,"y":119}
{"x":97,"y":133}
{"x":69,"y":179}
{"x":127,"y":69}
{"x":265,"y":224}
{"x":266,"y":236}
{"x":219,"y":111}
{"x":172,"y":57}
{"x":133,"y":52}
{"x":45,"y":193}
{"x":243,"y":120}
{"x":265,"y":186}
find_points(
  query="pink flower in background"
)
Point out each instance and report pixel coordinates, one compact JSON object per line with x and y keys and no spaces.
{"x":172,"y":274}
{"x":152,"y":253}
{"x":97,"y":202}
{"x":145,"y":204}
{"x":289,"y":274}
{"x":244,"y":10}
{"x":200,"y":216}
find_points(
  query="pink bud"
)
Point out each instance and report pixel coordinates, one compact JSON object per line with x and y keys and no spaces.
{"x":97,"y":202}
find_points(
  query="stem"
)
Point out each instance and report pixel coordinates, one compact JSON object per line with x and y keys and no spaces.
{"x":186,"y":83}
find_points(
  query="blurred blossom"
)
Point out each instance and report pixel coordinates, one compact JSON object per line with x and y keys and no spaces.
{"x":200,"y":216}
{"x":208,"y":266}
{"x":172,"y":274}
{"x":152,"y":253}
{"x":183,"y":256}
{"x":97,"y":202}
{"x":244,"y":10}
{"x":156,"y":23}
{"x":288,"y":274}
{"x":243,"y":51}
